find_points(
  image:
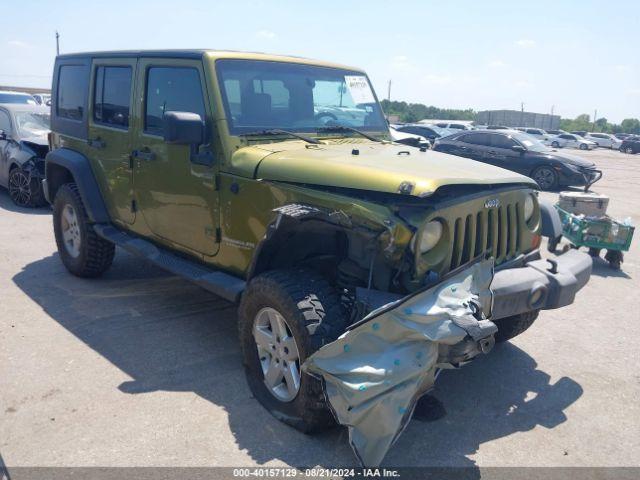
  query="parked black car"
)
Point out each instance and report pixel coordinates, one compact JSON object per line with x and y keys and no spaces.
{"x":631,"y":144}
{"x":23,"y":146}
{"x":521,"y":153}
{"x":429,"y":132}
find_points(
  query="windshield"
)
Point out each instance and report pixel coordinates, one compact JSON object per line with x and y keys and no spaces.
{"x":261,"y":95}
{"x":32,"y":124}
{"x":530,"y":142}
{"x":17,"y":98}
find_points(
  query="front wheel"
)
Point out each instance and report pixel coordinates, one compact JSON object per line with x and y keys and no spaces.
{"x":555,"y":144}
{"x":284,"y":317}
{"x":513,"y":326}
{"x":584,"y":146}
{"x":546,"y":178}
{"x":81,"y":250}
{"x":628,"y":150}
{"x":25,"y":190}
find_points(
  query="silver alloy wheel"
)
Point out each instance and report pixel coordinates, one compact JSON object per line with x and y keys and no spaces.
{"x":544,"y":177}
{"x":19,"y":189}
{"x":278,"y":354}
{"x":629,"y":150}
{"x":70,"y":231}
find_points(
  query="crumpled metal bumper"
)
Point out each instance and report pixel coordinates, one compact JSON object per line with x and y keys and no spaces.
{"x":375,"y":372}
{"x":541,"y":284}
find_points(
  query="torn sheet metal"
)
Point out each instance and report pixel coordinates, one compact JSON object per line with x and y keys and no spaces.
{"x":376,"y":371}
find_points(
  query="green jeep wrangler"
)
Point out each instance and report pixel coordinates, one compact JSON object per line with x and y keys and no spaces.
{"x":272,"y":181}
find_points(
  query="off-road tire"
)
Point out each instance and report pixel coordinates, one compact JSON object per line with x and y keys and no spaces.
{"x":96,"y":254}
{"x":306,"y":301}
{"x":34,"y":185}
{"x":510,"y":327}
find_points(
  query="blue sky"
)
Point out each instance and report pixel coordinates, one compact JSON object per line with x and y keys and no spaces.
{"x":577,"y":56}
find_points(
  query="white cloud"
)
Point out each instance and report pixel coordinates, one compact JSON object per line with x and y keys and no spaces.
{"x":525,"y":43}
{"x":400,"y":62}
{"x":265,"y":34}
{"x":17,"y":43}
{"x":438,"y":79}
{"x":497,"y":64}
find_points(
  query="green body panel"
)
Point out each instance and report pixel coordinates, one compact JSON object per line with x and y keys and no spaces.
{"x":220,"y":214}
{"x":380,"y":167}
{"x":175,"y":197}
{"x":110,"y":157}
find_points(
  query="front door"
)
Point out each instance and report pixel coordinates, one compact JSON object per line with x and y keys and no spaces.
{"x":110,"y":127}
{"x":502,"y":155}
{"x":176,"y":197}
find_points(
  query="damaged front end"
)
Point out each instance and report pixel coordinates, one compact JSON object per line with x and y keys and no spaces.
{"x":376,"y":371}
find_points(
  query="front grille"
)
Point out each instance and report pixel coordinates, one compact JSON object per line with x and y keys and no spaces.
{"x":492,"y":231}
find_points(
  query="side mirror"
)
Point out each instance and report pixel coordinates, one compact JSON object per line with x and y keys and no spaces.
{"x":183,"y":128}
{"x":518,"y":148}
{"x":3,"y":135}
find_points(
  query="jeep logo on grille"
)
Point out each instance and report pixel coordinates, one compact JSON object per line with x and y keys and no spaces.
{"x":492,"y":203}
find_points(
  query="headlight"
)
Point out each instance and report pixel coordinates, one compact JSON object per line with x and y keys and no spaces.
{"x":529,"y":207}
{"x":431,"y":235}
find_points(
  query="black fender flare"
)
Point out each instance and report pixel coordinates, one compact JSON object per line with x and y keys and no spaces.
{"x":550,"y":219}
{"x":79,"y":168}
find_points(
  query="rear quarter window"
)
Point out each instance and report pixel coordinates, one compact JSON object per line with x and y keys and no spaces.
{"x":69,"y":98}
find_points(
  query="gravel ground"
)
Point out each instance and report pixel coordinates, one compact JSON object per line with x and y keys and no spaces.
{"x":140,"y":368}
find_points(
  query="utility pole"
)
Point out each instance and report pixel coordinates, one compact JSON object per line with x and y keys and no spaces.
{"x":57,"y":43}
{"x":551,"y":118}
{"x":522,"y":114}
{"x":595,"y":117}
{"x":389,"y":91}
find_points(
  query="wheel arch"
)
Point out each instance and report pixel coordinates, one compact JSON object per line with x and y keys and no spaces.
{"x":63,"y":166}
{"x":289,"y":242}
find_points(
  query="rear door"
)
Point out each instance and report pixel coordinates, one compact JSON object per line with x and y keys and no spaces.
{"x":475,"y":146}
{"x":110,"y":125}
{"x":176,"y":197}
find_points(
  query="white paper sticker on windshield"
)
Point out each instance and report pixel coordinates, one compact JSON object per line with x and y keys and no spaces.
{"x":359,"y":89}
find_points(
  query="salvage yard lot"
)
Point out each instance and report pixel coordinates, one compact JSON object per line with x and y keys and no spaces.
{"x":141,"y":368}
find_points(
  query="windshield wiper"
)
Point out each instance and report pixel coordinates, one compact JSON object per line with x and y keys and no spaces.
{"x":344,"y":128}
{"x":278,"y":131}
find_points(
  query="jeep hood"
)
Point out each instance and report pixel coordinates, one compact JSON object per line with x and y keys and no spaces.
{"x":367,"y":166}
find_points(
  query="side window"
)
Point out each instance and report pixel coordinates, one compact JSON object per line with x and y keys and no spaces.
{"x":112,"y":96}
{"x":476,"y":139}
{"x":566,"y":137}
{"x":502,"y":141}
{"x":171,"y":89}
{"x":5,"y":123}
{"x":71,"y":89}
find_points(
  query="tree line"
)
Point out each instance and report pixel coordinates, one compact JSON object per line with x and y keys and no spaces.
{"x":414,"y":112}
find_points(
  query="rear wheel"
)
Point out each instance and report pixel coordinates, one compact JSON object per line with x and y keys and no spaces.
{"x":545,"y":177}
{"x":584,"y":146}
{"x":81,"y":250}
{"x":25,"y":190}
{"x":513,"y":326}
{"x":555,"y":144}
{"x":284,"y":317}
{"x":628,"y":150}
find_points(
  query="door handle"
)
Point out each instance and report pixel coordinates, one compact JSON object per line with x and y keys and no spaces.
{"x":95,"y":143}
{"x":143,"y":154}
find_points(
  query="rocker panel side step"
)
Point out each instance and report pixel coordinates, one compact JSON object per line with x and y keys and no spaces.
{"x":222,"y":284}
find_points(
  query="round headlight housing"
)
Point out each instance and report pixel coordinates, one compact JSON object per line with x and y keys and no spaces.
{"x":429,"y":237}
{"x":529,"y":207}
